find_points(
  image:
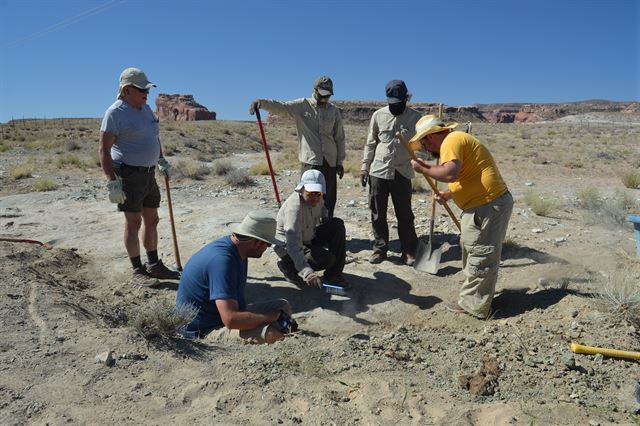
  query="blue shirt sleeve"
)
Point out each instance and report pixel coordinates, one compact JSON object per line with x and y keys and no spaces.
{"x":222,"y":272}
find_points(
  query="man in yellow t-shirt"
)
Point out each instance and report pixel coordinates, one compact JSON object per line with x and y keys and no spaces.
{"x":478,"y":189}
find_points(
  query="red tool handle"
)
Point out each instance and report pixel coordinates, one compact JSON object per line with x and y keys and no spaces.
{"x":266,"y":151}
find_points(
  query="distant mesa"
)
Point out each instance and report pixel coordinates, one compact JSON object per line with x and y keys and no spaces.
{"x":359,"y":112}
{"x":181,"y":108}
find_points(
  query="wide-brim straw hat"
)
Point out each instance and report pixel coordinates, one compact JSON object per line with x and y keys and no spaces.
{"x":430,"y":124}
{"x":259,"y":225}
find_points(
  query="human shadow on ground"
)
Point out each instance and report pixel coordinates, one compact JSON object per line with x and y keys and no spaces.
{"x":167,"y":285}
{"x":513,"y":251}
{"x":517,"y":301}
{"x":364,"y":293}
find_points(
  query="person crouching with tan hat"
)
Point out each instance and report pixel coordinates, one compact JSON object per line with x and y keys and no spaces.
{"x":214,"y":280}
{"x":476,"y":186}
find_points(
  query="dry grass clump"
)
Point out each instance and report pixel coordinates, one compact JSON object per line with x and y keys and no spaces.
{"x":540,"y":205}
{"x":69,"y":160}
{"x":611,"y":212}
{"x":222,"y":166}
{"x":191,"y":170}
{"x":44,"y":184}
{"x":72,"y":146}
{"x":162,"y":320}
{"x":238,"y":178}
{"x":4,"y":147}
{"x":619,"y":295}
{"x":21,"y":171}
{"x":260,"y":169}
{"x":631,"y":179}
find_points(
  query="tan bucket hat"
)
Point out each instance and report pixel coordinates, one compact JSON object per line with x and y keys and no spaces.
{"x":429,"y":124}
{"x":257,"y":224}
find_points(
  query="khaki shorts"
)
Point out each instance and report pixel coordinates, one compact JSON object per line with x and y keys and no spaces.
{"x":256,"y":335}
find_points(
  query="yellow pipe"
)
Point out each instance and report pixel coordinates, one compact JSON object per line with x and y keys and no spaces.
{"x":612,"y":353}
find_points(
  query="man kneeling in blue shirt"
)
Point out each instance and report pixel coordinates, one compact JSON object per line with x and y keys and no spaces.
{"x":214,"y":281}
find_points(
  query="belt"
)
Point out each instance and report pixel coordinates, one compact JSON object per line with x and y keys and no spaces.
{"x":144,"y":169}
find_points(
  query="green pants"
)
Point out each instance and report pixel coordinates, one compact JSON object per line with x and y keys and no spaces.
{"x":482,"y":234}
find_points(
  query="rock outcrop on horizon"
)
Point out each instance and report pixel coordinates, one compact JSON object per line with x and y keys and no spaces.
{"x":358,"y":112}
{"x":181,"y":108}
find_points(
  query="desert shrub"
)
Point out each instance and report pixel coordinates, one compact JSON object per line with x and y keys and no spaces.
{"x":238,"y":177}
{"x":352,"y":164}
{"x":95,"y":159}
{"x":260,"y":169}
{"x":631,"y":179}
{"x":69,"y":160}
{"x":71,"y":146}
{"x":222,"y":166}
{"x":611,"y":212}
{"x":161,"y":319}
{"x":619,"y":295}
{"x":540,"y":205}
{"x":21,"y":171}
{"x":196,"y":171}
{"x":44,"y":184}
{"x":589,"y":199}
{"x":4,"y":147}
{"x":169,"y":149}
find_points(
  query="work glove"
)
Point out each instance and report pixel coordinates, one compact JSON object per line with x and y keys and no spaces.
{"x":312,"y":279}
{"x":364,"y":178}
{"x":255,"y":105}
{"x":340,"y":170}
{"x":116,"y":193}
{"x":163,"y":166}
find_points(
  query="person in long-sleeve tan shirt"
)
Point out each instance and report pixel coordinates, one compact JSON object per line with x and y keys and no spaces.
{"x":321,"y":139}
{"x":387,"y":167}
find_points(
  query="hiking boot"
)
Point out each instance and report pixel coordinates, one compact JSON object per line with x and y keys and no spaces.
{"x":290,"y":276}
{"x":337,"y":280}
{"x":158,"y":270}
{"x":377,"y":257}
{"x":141,"y":278}
{"x":408,"y":259}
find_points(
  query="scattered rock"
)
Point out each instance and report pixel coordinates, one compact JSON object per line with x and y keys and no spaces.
{"x":105,"y":358}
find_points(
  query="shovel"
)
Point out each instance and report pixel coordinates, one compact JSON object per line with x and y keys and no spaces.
{"x":428,"y":256}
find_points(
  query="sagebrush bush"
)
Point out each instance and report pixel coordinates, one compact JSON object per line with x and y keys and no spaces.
{"x":190,"y":170}
{"x":44,"y":184}
{"x":631,"y":179}
{"x":590,"y":199}
{"x":610,"y":212}
{"x":260,"y":169}
{"x":619,"y":295}
{"x":69,"y":160}
{"x":222,"y":166}
{"x":21,"y":171}
{"x":238,"y":177}
{"x":162,"y":319}
{"x":540,"y":205}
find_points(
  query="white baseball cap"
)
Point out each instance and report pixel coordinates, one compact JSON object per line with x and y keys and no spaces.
{"x":313,"y":181}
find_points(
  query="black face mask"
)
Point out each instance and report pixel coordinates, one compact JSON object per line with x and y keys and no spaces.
{"x":397,"y":108}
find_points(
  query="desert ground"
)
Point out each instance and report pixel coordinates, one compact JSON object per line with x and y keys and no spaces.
{"x":386,"y":354}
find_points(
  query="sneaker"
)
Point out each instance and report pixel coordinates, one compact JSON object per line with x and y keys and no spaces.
{"x":290,"y":276}
{"x":158,"y":270}
{"x":455,"y":308}
{"x":377,"y":257}
{"x":337,"y":280}
{"x":408,"y":259}
{"x":141,"y":278}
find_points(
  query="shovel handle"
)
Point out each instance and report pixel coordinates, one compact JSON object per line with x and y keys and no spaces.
{"x":404,"y":143}
{"x":612,"y":353}
{"x":176,"y":252}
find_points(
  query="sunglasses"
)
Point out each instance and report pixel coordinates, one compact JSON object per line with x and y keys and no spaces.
{"x":141,"y":90}
{"x":315,"y":193}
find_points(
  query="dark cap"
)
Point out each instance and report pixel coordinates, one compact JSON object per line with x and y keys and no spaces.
{"x":323,"y":85}
{"x":396,"y":91}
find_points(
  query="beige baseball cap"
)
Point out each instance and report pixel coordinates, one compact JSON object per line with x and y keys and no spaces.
{"x":135,"y":77}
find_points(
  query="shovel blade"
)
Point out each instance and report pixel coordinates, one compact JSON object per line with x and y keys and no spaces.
{"x":428,"y":258}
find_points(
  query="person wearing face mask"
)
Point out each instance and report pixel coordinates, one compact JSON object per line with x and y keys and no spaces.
{"x":320,"y":133}
{"x":387,"y":167}
{"x":313,"y":241}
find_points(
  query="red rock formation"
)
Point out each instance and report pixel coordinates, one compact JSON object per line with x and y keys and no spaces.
{"x":181,"y":108}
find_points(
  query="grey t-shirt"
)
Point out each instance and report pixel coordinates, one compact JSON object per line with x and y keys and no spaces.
{"x":137,"y":134}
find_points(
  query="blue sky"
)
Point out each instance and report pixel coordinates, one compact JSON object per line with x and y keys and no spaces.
{"x":63,"y":58}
